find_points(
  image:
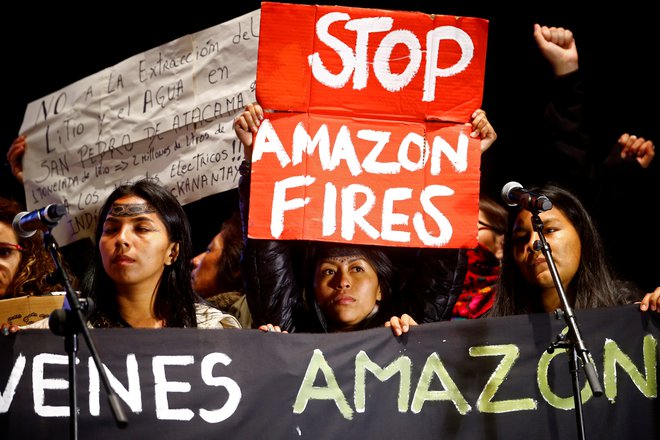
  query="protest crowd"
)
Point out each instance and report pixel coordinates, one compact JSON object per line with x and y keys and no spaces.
{"x":222,"y":261}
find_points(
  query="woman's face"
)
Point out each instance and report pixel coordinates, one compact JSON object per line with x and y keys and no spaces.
{"x":134,"y":245}
{"x":564,"y":243}
{"x":205,"y":268}
{"x":488,"y":237}
{"x":10,"y":257}
{"x":346,"y":289}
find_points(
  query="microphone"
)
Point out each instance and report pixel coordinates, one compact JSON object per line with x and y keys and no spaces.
{"x":62,"y":323}
{"x":27,"y":223}
{"x":514,"y":194}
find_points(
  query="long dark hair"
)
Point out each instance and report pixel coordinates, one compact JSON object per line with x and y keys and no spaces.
{"x":593,"y":284}
{"x":229,"y":276}
{"x":175,"y":299}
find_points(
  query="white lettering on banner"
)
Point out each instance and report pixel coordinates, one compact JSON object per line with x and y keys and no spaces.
{"x":354,"y":215}
{"x":281,"y":204}
{"x":371,"y":164}
{"x":7,"y":396}
{"x":355,"y":61}
{"x":40,"y":384}
{"x":132,"y":395}
{"x":329,"y":210}
{"x":422,"y":382}
{"x":162,"y":387}
{"x":230,"y":407}
{"x":267,"y":141}
{"x":433,"y":47}
{"x":342,"y":150}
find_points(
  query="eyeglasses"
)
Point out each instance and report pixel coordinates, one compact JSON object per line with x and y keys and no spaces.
{"x":6,"y":249}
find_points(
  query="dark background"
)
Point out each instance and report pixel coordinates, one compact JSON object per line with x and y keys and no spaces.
{"x":49,"y":47}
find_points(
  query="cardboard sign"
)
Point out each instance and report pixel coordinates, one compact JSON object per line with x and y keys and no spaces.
{"x":28,"y":309}
{"x":367,"y":138}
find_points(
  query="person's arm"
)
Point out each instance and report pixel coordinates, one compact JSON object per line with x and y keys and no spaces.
{"x":7,"y":329}
{"x":642,"y":150}
{"x":482,"y":128}
{"x":569,"y":156}
{"x":628,"y":167}
{"x":272,"y":293}
{"x":271,"y":290}
{"x":271,"y":328}
{"x":557,"y":45}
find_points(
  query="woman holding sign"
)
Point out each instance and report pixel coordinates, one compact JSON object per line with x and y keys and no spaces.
{"x":342,"y":287}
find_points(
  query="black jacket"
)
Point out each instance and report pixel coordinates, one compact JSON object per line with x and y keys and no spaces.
{"x":426,"y":286}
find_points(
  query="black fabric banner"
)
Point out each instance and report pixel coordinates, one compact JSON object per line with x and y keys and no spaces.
{"x":476,"y":379}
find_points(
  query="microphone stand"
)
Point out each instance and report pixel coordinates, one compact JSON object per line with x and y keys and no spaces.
{"x":71,"y":322}
{"x":578,"y":354}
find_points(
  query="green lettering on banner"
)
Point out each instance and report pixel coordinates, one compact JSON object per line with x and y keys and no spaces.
{"x":332,"y":391}
{"x":566,"y":403}
{"x":484,"y":403}
{"x":401,"y":366}
{"x":613,"y":356}
{"x":434,"y":367}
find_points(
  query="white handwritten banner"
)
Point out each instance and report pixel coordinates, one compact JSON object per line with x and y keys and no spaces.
{"x":165,"y":113}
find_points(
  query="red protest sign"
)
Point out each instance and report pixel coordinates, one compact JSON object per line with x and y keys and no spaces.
{"x":357,"y":156}
{"x":370,"y":62}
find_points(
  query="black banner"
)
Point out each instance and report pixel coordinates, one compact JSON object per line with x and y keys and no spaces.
{"x":486,"y":378}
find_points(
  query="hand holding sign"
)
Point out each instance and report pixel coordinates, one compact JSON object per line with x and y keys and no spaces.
{"x":348,"y":157}
{"x":482,"y":129}
{"x":246,"y":126}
